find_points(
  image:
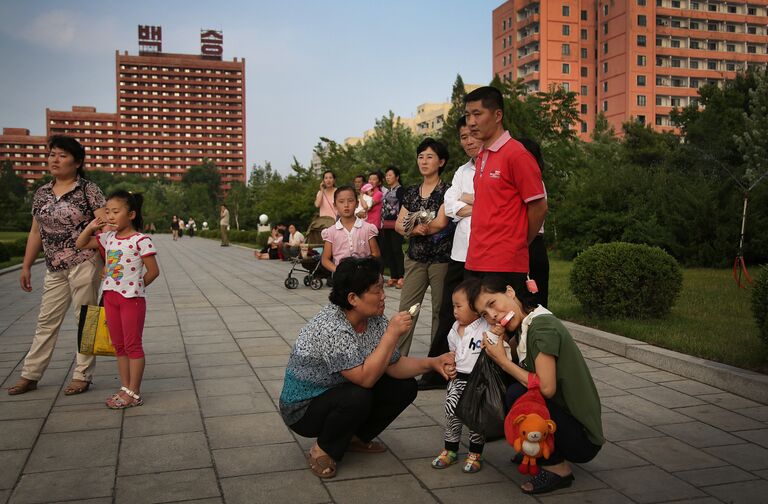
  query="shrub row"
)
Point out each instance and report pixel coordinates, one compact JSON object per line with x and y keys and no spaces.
{"x":760,"y":303}
{"x":252,"y":237}
{"x":15,"y":248}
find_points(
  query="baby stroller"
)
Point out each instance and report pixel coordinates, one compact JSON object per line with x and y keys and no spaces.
{"x":311,"y":265}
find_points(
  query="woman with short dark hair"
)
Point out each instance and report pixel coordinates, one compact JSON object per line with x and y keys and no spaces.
{"x":61,"y":209}
{"x":346,"y":381}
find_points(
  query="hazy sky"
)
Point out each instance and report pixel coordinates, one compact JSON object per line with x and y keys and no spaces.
{"x":313,"y":68}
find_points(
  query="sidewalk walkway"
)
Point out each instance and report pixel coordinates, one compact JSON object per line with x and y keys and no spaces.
{"x":219,"y":330}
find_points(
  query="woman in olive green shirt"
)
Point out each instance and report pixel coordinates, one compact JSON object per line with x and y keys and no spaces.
{"x":545,"y":347}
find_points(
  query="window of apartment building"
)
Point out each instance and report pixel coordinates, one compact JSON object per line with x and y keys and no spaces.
{"x":605,"y":47}
{"x":584,"y":90}
{"x":712,"y":26}
{"x":583,"y":127}
{"x":675,"y":4}
{"x":584,"y":34}
{"x":731,"y":67}
{"x":752,"y":11}
{"x":641,"y":40}
{"x":566,"y":68}
{"x":584,"y":52}
{"x":659,"y":100}
{"x":694,"y":83}
{"x":642,"y":20}
{"x":675,"y":43}
{"x":693,"y":25}
{"x":584,"y":72}
{"x":730,"y":47}
{"x":752,"y":30}
{"x":642,"y":60}
{"x":605,"y":86}
{"x":566,"y":11}
{"x":566,"y":49}
{"x":711,"y":65}
{"x":694,"y":44}
{"x":695,"y":64}
{"x":732,"y":9}
{"x":658,"y":41}
{"x":712,"y":46}
{"x":712,"y":7}
{"x":566,"y":30}
{"x":641,"y":100}
{"x":676,"y":63}
{"x":752,"y":49}
{"x":584,"y":108}
{"x":605,"y":105}
{"x":504,"y":25}
{"x":676,"y":23}
{"x":675,"y":101}
{"x":730,"y":28}
{"x":641,"y":80}
{"x":641,"y":3}
{"x":566,"y":87}
{"x":605,"y":67}
{"x":658,"y":120}
{"x":605,"y":28}
{"x":605,"y":9}
{"x":583,"y":15}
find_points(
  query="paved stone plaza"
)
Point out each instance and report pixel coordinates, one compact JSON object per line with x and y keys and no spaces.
{"x":218,"y":333}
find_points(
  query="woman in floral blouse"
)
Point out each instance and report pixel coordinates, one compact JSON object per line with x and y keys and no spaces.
{"x":60,"y":210}
{"x":429,"y":245}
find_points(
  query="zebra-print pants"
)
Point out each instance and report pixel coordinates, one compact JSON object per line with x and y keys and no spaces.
{"x":453,"y":424}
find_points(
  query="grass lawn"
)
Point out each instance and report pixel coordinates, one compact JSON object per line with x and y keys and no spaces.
{"x":9,"y":236}
{"x":711,"y":319}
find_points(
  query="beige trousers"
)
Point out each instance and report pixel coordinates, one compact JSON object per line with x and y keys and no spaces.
{"x":224,"y":235}
{"x":419,"y":276}
{"x":75,"y":286}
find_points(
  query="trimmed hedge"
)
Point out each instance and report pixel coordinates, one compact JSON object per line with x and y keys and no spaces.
{"x":16,"y":248}
{"x":760,"y":303}
{"x":626,"y":280}
{"x":251,"y":237}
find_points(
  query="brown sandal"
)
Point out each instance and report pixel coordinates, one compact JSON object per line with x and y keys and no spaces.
{"x":77,"y":387}
{"x":358,"y":446}
{"x":321,"y":464}
{"x":22,"y":387}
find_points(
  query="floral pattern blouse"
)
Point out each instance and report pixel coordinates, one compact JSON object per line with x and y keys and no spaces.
{"x":435,"y":248}
{"x":62,"y":219}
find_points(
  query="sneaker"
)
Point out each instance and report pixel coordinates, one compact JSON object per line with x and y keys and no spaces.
{"x":445,"y":459}
{"x":473,"y":463}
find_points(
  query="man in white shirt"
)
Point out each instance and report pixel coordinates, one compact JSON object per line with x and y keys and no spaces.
{"x":295,"y":240}
{"x":458,"y":202}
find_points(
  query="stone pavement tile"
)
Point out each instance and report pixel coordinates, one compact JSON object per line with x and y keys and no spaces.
{"x":667,"y":397}
{"x":84,"y":420}
{"x":605,"y":390}
{"x":648,"y":484}
{"x":601,"y":496}
{"x":296,"y":487}
{"x":153,"y":425}
{"x":720,"y":418}
{"x":503,"y":492}
{"x":64,"y":485}
{"x":612,"y":359}
{"x":692,"y":387}
{"x":164,"y":402}
{"x":11,"y":462}
{"x":417,"y":442}
{"x":223,"y":337}
{"x":202,"y":373}
{"x":612,"y":456}
{"x":24,"y":409}
{"x":618,"y":427}
{"x":714,"y":476}
{"x":263,"y":351}
{"x":592,"y":352}
{"x":216,"y":359}
{"x":700,"y":500}
{"x":401,"y":489}
{"x":430,"y":397}
{"x":670,"y":454}
{"x":269,"y":361}
{"x":170,"y":370}
{"x":273,"y":388}
{"x":747,"y":456}
{"x":436,"y":412}
{"x":591,"y":364}
{"x":411,"y":417}
{"x":228,"y":386}
{"x":759,"y":436}
{"x":74,"y":450}
{"x":644,"y":411}
{"x":267,"y":332}
{"x":161,"y":347}
{"x":207,"y":348}
{"x":729,"y":401}
{"x":19,"y":434}
{"x":98,"y":500}
{"x":368,"y":465}
{"x":634,"y":367}
{"x":451,"y":476}
{"x":224,"y":405}
{"x":167,"y":358}
{"x":247,"y":430}
{"x":260,"y":342}
{"x":259,"y":459}
{"x":699,"y":435}
{"x":760,"y":413}
{"x":754,"y":492}
{"x":619,"y":378}
{"x":46,"y":392}
{"x":659,"y":376}
{"x":166,"y":384}
{"x":168,"y":452}
{"x":271,"y":373}
{"x":167,"y":487}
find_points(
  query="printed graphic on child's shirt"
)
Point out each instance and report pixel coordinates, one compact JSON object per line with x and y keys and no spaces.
{"x":114,"y":268}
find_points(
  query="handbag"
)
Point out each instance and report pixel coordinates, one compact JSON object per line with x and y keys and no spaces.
{"x":481,"y":406}
{"x":92,"y":332}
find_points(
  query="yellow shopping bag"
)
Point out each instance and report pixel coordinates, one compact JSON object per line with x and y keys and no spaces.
{"x":92,"y":333}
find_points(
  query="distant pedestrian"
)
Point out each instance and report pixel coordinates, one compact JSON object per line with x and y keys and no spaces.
{"x":390,"y":241}
{"x":292,"y":248}
{"x":131,"y":267}
{"x":182,"y":227}
{"x":191,"y":227}
{"x":326,"y":212}
{"x":224,"y":225}
{"x":175,"y":228}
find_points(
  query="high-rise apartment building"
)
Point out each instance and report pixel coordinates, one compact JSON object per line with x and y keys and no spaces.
{"x":630,"y":59}
{"x":173,"y":111}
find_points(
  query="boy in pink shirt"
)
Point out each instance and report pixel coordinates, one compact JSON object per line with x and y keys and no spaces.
{"x":350,"y":236}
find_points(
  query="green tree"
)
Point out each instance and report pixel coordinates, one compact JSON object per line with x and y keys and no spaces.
{"x":14,"y":203}
{"x":449,"y":134}
{"x":206,"y":174}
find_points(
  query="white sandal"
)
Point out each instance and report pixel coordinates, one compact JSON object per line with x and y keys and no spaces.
{"x":120,"y":403}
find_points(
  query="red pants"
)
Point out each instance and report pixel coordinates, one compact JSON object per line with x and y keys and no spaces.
{"x":125,"y":320}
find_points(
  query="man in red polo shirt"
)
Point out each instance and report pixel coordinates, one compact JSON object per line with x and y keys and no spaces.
{"x":510,"y":200}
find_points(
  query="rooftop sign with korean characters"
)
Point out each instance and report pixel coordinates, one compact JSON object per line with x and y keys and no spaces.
{"x":212,"y":43}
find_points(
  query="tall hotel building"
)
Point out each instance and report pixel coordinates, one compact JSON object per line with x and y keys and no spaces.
{"x":173,"y":111}
{"x":628,"y":58}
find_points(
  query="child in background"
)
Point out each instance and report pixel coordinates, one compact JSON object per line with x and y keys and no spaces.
{"x":350,"y":236}
{"x":130,"y":267}
{"x":365,"y":200}
{"x":465,"y":340}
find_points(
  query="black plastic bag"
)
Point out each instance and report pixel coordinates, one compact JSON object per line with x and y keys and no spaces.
{"x":481,"y":406}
